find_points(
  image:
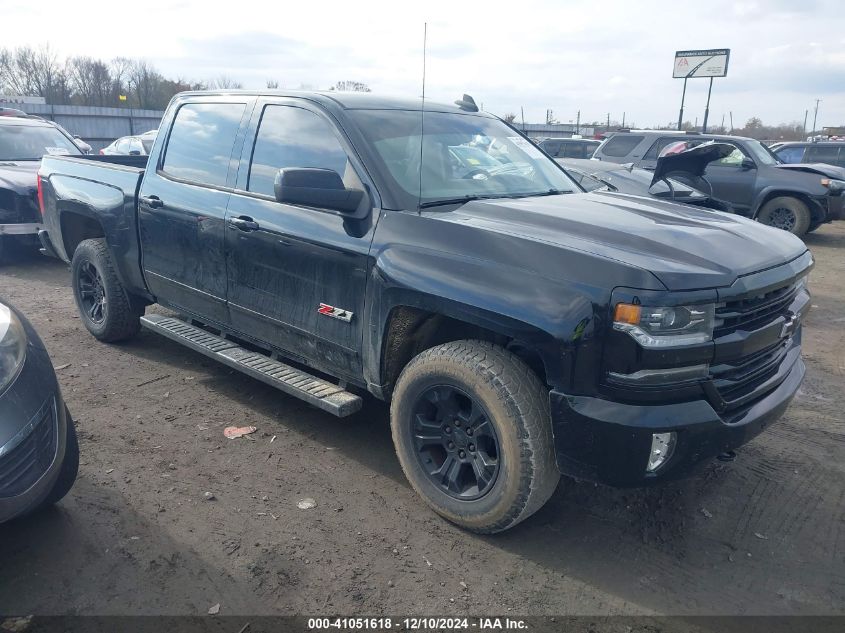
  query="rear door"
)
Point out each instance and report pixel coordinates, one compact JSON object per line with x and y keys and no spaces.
{"x":182,"y":206}
{"x":297,"y":275}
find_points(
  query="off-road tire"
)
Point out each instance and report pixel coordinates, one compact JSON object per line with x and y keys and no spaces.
{"x":518,"y":407}
{"x":69,"y":469}
{"x":121,"y":320}
{"x":800,"y":211}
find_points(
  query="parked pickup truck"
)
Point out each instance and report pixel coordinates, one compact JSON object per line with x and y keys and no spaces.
{"x":339,"y":245}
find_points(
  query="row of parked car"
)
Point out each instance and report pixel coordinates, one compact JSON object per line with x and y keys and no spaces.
{"x":793,"y":186}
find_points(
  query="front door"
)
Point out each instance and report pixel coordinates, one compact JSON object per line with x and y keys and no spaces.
{"x":182,"y":204}
{"x":297,"y":275}
{"x":732,"y":180}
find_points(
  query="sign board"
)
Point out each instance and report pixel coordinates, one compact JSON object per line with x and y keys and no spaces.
{"x":701,"y":63}
{"x":6,"y":99}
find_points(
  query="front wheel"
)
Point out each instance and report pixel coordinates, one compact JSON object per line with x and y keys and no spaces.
{"x":472,"y":430}
{"x":787,"y":213}
{"x":103,"y":303}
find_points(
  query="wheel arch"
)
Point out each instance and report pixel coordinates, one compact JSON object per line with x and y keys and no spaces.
{"x":418,"y":322}
{"x":817,"y":213}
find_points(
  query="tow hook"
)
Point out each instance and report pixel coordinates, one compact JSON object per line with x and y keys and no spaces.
{"x":727,"y":456}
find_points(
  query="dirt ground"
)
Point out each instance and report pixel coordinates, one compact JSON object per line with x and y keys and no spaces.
{"x":762,"y":535}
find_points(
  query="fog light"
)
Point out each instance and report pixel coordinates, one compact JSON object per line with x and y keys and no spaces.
{"x":662,"y":446}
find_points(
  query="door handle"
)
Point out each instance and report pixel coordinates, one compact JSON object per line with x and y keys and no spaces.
{"x":153,"y":202}
{"x":244,"y":223}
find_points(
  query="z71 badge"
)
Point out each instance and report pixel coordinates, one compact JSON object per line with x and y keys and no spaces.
{"x":335,"y":313}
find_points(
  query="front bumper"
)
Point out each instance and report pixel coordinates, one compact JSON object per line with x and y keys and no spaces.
{"x":836,"y":207}
{"x":609,"y":442}
{"x":34,"y":435}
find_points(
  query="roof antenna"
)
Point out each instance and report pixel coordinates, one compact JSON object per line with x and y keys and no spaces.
{"x":422,"y":119}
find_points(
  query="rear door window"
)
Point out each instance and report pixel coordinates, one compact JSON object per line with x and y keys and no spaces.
{"x":621,"y":145}
{"x":199,"y":149}
{"x":822,"y":154}
{"x":552,"y":148}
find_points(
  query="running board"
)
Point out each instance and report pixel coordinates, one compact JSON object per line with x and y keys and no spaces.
{"x":295,"y":382}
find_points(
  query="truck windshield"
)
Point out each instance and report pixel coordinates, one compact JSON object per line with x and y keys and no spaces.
{"x":463,"y":156}
{"x":29,"y":142}
{"x":762,"y":154}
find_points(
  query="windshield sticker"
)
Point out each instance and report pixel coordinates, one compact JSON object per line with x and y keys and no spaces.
{"x":57,"y":151}
{"x":526,"y":146}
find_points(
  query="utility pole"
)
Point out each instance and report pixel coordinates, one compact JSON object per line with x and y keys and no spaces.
{"x":578,"y":123}
{"x":707,"y":107}
{"x":804,"y":127}
{"x":681,"y":113}
{"x":608,"y":121}
{"x":815,"y":116}
{"x":723,"y":123}
{"x":522,"y":112}
{"x":623,"y":119}
{"x":732,"y":121}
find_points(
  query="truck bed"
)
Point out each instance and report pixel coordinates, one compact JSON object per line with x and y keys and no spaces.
{"x":102,"y":190}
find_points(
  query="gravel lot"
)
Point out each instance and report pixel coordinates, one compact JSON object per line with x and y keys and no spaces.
{"x":763,"y":535}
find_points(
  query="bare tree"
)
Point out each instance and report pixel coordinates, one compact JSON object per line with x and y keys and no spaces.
{"x":272,"y":84}
{"x":91,"y":81}
{"x":224,"y":82}
{"x":510,"y":117}
{"x":350,"y":86}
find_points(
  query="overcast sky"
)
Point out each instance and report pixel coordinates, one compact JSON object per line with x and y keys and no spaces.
{"x":599,"y":57}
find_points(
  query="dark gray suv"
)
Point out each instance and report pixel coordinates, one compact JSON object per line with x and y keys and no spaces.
{"x":756,"y":184}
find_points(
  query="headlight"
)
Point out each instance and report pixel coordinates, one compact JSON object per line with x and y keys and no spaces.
{"x":835,"y":186}
{"x":665,"y":327}
{"x":12,"y":346}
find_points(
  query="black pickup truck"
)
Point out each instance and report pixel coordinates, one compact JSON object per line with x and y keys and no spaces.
{"x":335,"y":245}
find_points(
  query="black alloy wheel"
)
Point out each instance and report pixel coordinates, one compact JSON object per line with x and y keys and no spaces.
{"x":783,"y":218}
{"x":92,"y":292}
{"x":455,"y":443}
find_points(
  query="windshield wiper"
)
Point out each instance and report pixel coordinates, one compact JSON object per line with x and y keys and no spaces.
{"x":498,"y":196}
{"x":549,"y":192}
{"x":446,"y":201}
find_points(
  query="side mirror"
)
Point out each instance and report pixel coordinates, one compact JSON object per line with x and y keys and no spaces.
{"x":747,"y":164}
{"x":134,"y":152}
{"x":314,"y":187}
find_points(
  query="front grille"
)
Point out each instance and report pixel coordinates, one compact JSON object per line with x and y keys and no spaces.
{"x":29,"y":460}
{"x":736,"y":380}
{"x":753,"y":311}
{"x":744,"y":380}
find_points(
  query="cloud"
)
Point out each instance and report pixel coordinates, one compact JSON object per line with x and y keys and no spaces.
{"x":539,"y":54}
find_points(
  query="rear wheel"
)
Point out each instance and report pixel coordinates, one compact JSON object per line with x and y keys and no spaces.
{"x":102,"y":301}
{"x":787,"y":213}
{"x":472,"y":430}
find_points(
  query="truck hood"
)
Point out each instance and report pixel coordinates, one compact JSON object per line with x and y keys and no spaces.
{"x":19,"y":176}
{"x":684,"y":247}
{"x":831,"y":171}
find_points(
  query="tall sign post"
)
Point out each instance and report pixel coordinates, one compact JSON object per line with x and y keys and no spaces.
{"x":700,"y":63}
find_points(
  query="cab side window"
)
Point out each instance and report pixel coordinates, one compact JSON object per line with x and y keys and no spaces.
{"x":289,"y":136}
{"x":199,"y":149}
{"x":734,"y":159}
